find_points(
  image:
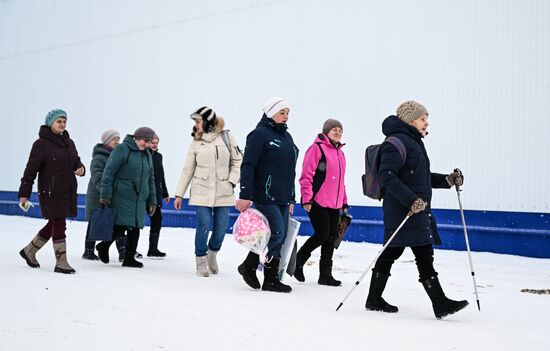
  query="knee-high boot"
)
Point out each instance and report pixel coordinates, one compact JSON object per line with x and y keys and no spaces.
{"x":442,"y":305}
{"x":131,"y":247}
{"x":375,"y":302}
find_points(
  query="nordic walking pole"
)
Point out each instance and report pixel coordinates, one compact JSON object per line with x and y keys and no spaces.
{"x":458,"y":190}
{"x":376,"y":258}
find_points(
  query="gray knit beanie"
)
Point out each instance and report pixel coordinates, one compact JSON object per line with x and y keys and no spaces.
{"x":108,"y":135}
{"x":145,"y":133}
{"x":410,"y":110}
{"x":331,"y":123}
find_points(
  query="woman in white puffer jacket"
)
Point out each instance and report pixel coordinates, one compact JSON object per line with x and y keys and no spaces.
{"x":212,"y":169}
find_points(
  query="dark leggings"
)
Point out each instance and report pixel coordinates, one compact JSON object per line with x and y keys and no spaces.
{"x":424,"y":257}
{"x":55,"y":229}
{"x":325,"y":228}
{"x":156,"y":220}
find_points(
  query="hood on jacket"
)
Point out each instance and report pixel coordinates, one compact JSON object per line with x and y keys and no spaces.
{"x":324,"y":139}
{"x":61,"y":140}
{"x":219,"y":124}
{"x":131,"y":143}
{"x":393,"y":125}
{"x":99,"y":149}
{"x":268,"y":122}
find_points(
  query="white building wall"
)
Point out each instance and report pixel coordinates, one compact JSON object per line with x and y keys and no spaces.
{"x":480,"y":67}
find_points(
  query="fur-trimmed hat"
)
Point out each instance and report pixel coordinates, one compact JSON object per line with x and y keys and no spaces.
{"x":274,"y":105}
{"x":410,"y":110}
{"x":53,"y":115}
{"x":145,"y":133}
{"x":208,"y":117}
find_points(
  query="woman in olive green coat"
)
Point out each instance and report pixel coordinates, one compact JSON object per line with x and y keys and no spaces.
{"x":128,"y":186}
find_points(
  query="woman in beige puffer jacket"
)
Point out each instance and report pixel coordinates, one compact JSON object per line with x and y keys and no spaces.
{"x":211,"y":169}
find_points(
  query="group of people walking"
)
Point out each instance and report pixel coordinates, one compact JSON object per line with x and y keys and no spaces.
{"x":129,"y":176}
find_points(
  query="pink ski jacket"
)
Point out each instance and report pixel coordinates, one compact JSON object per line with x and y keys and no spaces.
{"x":332,"y":190}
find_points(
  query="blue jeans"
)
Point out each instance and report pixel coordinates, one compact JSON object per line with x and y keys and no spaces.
{"x":204,"y":221}
{"x":277,"y":216}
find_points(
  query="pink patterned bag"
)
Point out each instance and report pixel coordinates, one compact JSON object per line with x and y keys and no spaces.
{"x":251,"y":229}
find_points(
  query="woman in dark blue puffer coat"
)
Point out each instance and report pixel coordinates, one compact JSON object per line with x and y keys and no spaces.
{"x":408,"y":189}
{"x":268,"y":171}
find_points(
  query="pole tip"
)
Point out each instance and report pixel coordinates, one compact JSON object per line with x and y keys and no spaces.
{"x":340,"y":305}
{"x":478,"y":306}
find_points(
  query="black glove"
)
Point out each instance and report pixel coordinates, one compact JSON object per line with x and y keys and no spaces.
{"x":455,"y":178}
{"x":106,"y":202}
{"x":345,"y":208}
{"x":418,"y":205}
{"x":151,"y":208}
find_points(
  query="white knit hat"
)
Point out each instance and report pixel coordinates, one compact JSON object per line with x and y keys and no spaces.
{"x":274,"y":105}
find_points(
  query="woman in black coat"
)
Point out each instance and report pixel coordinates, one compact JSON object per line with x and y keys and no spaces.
{"x":55,"y":159}
{"x":408,"y":190}
{"x":162,"y":194}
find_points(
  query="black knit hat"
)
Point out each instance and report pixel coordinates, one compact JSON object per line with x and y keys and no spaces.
{"x":208,"y":117}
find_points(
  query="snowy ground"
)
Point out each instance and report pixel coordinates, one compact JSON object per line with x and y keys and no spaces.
{"x":165,"y":306}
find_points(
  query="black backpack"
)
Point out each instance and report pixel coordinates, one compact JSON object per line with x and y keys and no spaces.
{"x":371,"y":184}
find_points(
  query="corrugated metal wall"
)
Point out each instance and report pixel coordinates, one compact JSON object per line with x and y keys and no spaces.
{"x":480,"y":67}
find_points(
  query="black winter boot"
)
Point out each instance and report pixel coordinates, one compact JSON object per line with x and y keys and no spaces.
{"x":103,"y":251}
{"x":248,"y":270}
{"x":375,"y":302}
{"x":442,"y":305}
{"x":121,"y":247}
{"x":89,"y":253}
{"x":301,"y":259}
{"x":271,"y":278}
{"x":325,"y":274}
{"x":153,"y":246}
{"x":129,"y":255}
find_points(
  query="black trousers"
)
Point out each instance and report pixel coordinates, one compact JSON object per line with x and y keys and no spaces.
{"x":156,"y":220}
{"x":325,"y":226}
{"x":424,"y":257}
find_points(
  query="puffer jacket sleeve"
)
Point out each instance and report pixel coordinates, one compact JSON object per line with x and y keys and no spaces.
{"x":114,"y":162}
{"x":439,"y":181}
{"x":152,"y":200}
{"x":78,"y":162}
{"x":252,"y":154}
{"x":236,"y":161}
{"x":163,"y":182}
{"x":187,"y":172}
{"x":34,"y":164}
{"x":96,"y":167}
{"x":388,"y":173}
{"x":309,"y":166}
{"x":345,"y":201}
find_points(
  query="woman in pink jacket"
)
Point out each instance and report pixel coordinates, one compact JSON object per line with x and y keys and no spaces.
{"x":323,"y":196}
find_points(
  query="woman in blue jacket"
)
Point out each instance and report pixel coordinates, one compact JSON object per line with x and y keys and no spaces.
{"x":408,"y":188}
{"x":268,"y":171}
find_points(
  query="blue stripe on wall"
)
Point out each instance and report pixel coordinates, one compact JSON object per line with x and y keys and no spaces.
{"x":516,"y":233}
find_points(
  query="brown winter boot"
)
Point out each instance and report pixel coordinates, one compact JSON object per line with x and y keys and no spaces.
{"x":29,"y":252}
{"x":61,"y":264}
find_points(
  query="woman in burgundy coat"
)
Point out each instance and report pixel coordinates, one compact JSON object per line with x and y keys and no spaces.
{"x":55,"y":159}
